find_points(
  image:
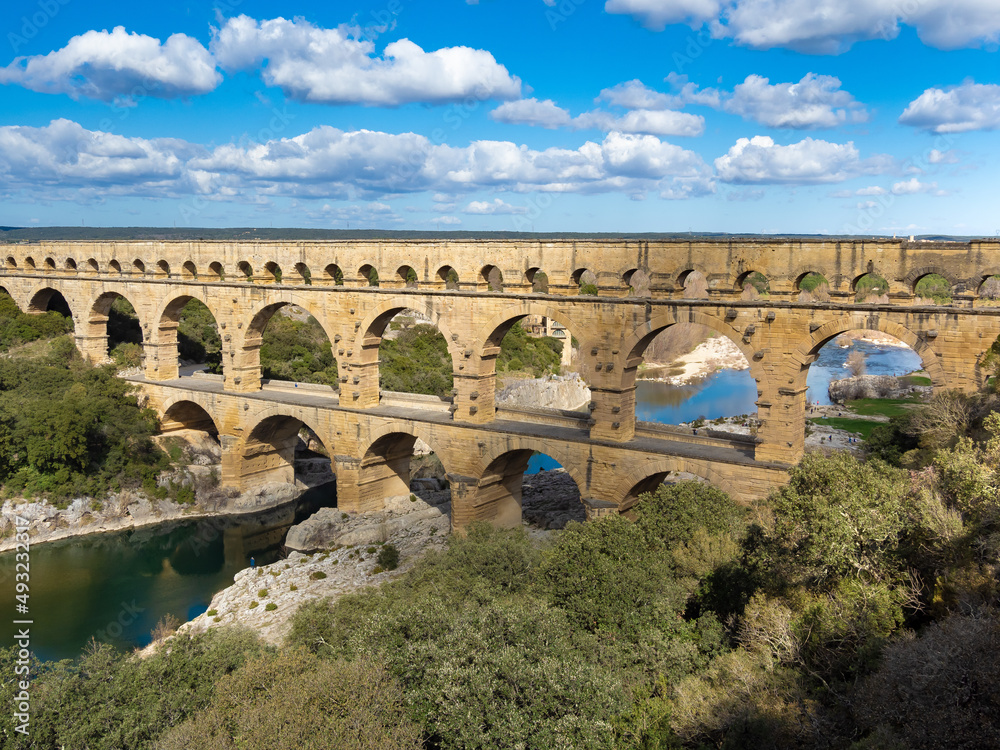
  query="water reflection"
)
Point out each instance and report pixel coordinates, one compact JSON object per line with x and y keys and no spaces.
{"x":726,"y":393}
{"x":879,"y":360}
{"x":116,"y":587}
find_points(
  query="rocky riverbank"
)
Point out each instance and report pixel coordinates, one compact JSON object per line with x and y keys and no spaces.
{"x":569,"y":392}
{"x":716,"y":353}
{"x":336,"y":553}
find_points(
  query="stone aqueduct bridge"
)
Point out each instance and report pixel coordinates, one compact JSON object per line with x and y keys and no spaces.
{"x":612,"y":458}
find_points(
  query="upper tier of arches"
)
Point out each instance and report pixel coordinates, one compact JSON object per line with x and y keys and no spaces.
{"x":963,"y":273}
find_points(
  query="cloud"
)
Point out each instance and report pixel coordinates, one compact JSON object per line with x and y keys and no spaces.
{"x":759,"y":160}
{"x":942,"y":157}
{"x":823,"y":26}
{"x":958,"y":109}
{"x":816,"y":101}
{"x":635,"y":94}
{"x":118,"y":65}
{"x":872,"y":190}
{"x":532,"y":112}
{"x":63,"y":160}
{"x":334,"y":66}
{"x":643,"y":121}
{"x":496,"y":207}
{"x":913,"y":186}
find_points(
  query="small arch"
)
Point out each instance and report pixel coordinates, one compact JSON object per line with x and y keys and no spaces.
{"x":870,"y":288}
{"x":245,"y":270}
{"x":163,"y":269}
{"x":29,"y":263}
{"x":638,"y":282}
{"x":408,"y":276}
{"x":217,"y":271}
{"x":753,"y":285}
{"x":302,"y":274}
{"x":49,"y":265}
{"x":115,"y":268}
{"x":933,"y":287}
{"x":11,"y":264}
{"x":368,"y":273}
{"x":188,"y":270}
{"x":92,"y":266}
{"x":273,"y":272}
{"x":693,"y":284}
{"x":492,"y":277}
{"x":538,"y":279}
{"x":586,"y":281}
{"x":812,"y":286}
{"x":138,"y":267}
{"x":333,"y":274}
{"x":449,"y":276}
{"x":70,"y":265}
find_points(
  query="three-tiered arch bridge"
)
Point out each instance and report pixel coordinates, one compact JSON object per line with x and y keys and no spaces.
{"x":473,"y":292}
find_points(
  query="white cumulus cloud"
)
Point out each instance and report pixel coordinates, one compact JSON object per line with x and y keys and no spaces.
{"x":544,"y":114}
{"x":759,"y":160}
{"x":823,"y":26}
{"x":333,"y":66}
{"x":817,"y":101}
{"x":118,"y":65}
{"x":913,"y":186}
{"x":496,"y":206}
{"x":958,"y":109}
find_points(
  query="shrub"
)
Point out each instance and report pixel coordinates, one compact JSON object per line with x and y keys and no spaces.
{"x":262,"y":594}
{"x":270,"y":607}
{"x":388,"y":557}
{"x":317,"y":575}
{"x":253,"y":605}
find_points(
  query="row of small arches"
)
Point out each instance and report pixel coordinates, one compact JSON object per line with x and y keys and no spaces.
{"x":692,"y":282}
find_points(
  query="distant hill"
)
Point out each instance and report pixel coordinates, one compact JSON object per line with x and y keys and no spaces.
{"x":15,"y":234}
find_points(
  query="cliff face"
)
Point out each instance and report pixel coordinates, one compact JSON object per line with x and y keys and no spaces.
{"x":568,"y":392}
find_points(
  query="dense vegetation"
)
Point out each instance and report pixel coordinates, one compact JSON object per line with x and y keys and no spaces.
{"x":857,"y":607}
{"x":16,"y":328}
{"x":296,"y":349}
{"x":416,"y":361}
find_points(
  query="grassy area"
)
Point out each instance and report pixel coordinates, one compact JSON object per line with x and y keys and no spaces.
{"x":887,"y":407}
{"x":861,"y":427}
{"x":916,"y":380}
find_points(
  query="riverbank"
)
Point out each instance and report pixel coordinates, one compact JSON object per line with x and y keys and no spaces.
{"x":711,"y":355}
{"x":126,"y":511}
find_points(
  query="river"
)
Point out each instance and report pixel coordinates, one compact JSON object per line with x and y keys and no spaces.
{"x":116,"y":587}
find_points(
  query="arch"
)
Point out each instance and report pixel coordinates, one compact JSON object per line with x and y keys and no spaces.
{"x":103,"y":328}
{"x":934,"y":286}
{"x":272,"y":272}
{"x":585,"y":280}
{"x":449,"y":276}
{"x":811,"y":279}
{"x":693,"y":283}
{"x":808,"y":350}
{"x":29,"y":263}
{"x":261,"y":316}
{"x":333,"y":274}
{"x":48,"y":265}
{"x":407,"y":276}
{"x":648,"y":476}
{"x":188,"y":270}
{"x":368,"y":274}
{"x":115,"y":268}
{"x":374,"y":324}
{"x":302,"y":274}
{"x":640,"y":338}
{"x":163,"y":269}
{"x":215,"y":268}
{"x":491,"y":334}
{"x":92,"y":267}
{"x":181,"y":413}
{"x":492,"y":277}
{"x":867,"y":284}
{"x":753,"y":284}
{"x":637,"y":282}
{"x":384,"y":469}
{"x":538,"y":279}
{"x":267,"y":453}
{"x":138,"y":267}
{"x":245,"y":270}
{"x":70,"y":265}
{"x":11,"y":263}
{"x":42,"y":300}
{"x":911,"y":278}
{"x":497,"y":496}
{"x":168,"y":319}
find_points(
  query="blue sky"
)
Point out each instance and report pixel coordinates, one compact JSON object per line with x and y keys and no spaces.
{"x":806,"y":116}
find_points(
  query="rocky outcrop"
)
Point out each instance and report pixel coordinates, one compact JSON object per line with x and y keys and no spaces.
{"x":873,"y":386}
{"x":568,"y":392}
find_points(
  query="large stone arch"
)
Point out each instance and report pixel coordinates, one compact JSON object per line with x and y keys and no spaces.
{"x":496,"y":496}
{"x":187,"y":412}
{"x":647,"y":476}
{"x":253,"y":332}
{"x":163,"y":364}
{"x":491,"y":334}
{"x":642,"y":335}
{"x":92,"y":328}
{"x":266,"y":454}
{"x":383,"y":464}
{"x":807,"y":352}
{"x":37,"y":300}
